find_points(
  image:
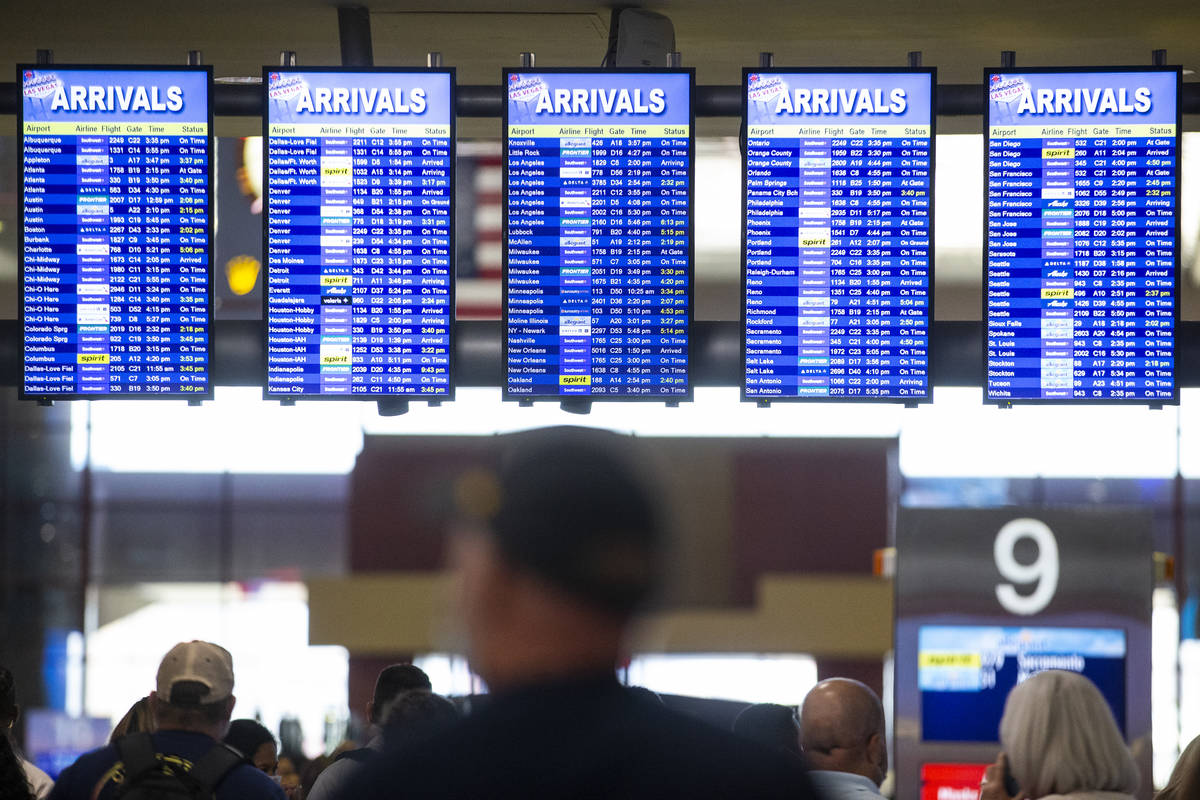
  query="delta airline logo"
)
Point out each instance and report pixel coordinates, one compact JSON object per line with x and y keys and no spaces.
{"x":525,"y":89}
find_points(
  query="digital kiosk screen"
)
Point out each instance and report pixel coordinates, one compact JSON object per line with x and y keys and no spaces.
{"x":965,"y":673}
{"x":838,"y":246}
{"x":598,"y":224}
{"x":115,"y":231}
{"x":1082,"y":235}
{"x":359,"y":175}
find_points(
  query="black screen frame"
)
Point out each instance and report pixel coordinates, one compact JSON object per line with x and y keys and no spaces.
{"x":267,"y":394}
{"x":687,"y":396}
{"x":210,"y":216}
{"x":927,"y":397}
{"x":986,"y":293}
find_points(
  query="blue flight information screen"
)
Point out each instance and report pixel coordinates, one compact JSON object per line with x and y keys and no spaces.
{"x":115,"y":231}
{"x":965,"y":673}
{"x":1082,"y":235}
{"x":359,"y":175}
{"x":598,"y":225}
{"x":838,"y":246}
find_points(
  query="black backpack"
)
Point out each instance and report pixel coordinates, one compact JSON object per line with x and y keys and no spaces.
{"x":148,"y":778}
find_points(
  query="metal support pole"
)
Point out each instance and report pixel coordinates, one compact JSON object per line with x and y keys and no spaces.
{"x":1008,"y":59}
{"x":287,"y":58}
{"x":392,"y":407}
{"x":674,"y":59}
{"x":195,"y":58}
{"x":354,"y":34}
{"x":527,"y":60}
{"x":914,"y":59}
{"x":766,"y":60}
{"x":433,"y":60}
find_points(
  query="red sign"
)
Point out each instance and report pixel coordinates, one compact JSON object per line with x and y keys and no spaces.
{"x":951,"y":781}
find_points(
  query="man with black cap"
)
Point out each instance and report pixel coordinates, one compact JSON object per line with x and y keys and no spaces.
{"x":560,"y":550}
{"x":191,"y":704}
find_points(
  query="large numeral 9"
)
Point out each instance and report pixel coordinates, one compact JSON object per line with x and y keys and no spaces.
{"x":1043,"y":571}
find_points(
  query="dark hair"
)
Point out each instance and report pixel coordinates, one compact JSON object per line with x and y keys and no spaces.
{"x":396,"y":679}
{"x":416,"y":715}
{"x":13,"y":783}
{"x":246,"y":736}
{"x":312,"y":770}
{"x":770,"y":724}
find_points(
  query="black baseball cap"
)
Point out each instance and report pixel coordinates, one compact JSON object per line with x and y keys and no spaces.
{"x":568,"y":505}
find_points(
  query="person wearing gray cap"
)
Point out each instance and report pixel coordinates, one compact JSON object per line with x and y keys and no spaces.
{"x":191,"y":704}
{"x":556,"y":553}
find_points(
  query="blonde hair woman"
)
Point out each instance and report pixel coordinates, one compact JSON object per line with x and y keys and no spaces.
{"x":1060,"y":741}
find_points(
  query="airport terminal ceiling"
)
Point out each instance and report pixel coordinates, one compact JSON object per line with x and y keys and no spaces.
{"x":718,"y":37}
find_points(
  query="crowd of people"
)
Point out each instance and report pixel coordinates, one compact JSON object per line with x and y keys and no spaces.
{"x":546,"y":616}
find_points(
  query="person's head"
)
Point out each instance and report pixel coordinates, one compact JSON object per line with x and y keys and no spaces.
{"x":1060,"y":737}
{"x":137,"y":719}
{"x":254,"y":742}
{"x":194,"y":689}
{"x":392,"y":681}
{"x":555,"y":554}
{"x":415,"y":715}
{"x":12,"y":773}
{"x":9,"y":710}
{"x":842,"y":728}
{"x":769,"y":724}
{"x":290,"y":767}
{"x":1184,"y":783}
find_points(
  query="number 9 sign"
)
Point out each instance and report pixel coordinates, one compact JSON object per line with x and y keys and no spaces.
{"x":1043,"y":572}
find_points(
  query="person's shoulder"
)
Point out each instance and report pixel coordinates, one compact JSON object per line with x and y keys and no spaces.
{"x":634,"y":750}
{"x":85,"y":772}
{"x":833,"y":785}
{"x":334,"y":777}
{"x":248,"y":782}
{"x":702,"y":755}
{"x":428,"y":767}
{"x":98,"y":760}
{"x":39,"y":780}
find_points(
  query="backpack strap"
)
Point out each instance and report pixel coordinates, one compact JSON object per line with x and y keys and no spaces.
{"x":214,"y":765}
{"x":137,"y":753}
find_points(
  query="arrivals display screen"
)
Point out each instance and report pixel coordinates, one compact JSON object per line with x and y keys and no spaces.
{"x":838,"y":234}
{"x":359,"y":232}
{"x":116,"y":226}
{"x":965,"y":673}
{"x":1082,"y":235}
{"x":598,"y":234}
